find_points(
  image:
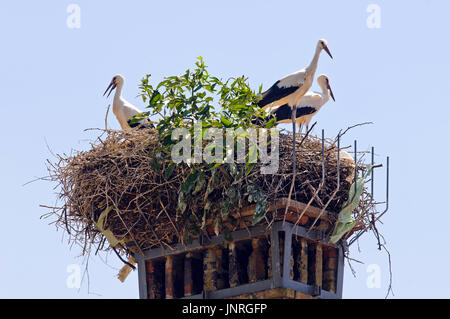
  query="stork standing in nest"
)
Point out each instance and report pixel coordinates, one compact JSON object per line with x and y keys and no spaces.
{"x":308,"y":106}
{"x":291,"y":88}
{"x":122,"y":109}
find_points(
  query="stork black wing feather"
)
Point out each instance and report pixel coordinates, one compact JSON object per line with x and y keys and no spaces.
{"x":304,"y":110}
{"x":284,"y":112}
{"x":276,"y":93}
{"x":140,"y":125}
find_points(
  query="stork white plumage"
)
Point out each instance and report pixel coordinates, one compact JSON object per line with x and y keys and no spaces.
{"x":122,"y":109}
{"x":291,"y":88}
{"x":308,"y":106}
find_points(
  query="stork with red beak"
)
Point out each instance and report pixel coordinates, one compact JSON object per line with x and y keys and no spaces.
{"x":122,"y":109}
{"x":308,"y":106}
{"x":291,"y":88}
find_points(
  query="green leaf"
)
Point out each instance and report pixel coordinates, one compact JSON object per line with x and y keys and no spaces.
{"x":155,"y":98}
{"x":181,"y":205}
{"x":169,"y":171}
{"x":200,"y":182}
{"x":189,"y":183}
{"x":253,"y":153}
{"x":249,"y":167}
{"x":211,"y":182}
{"x":225,"y":207}
{"x":255,"y":194}
{"x":260,"y":212}
{"x":155,"y":165}
{"x":112,"y":240}
{"x":345,"y":221}
{"x":137,"y":118}
{"x":167,"y":139}
{"x":225,"y":121}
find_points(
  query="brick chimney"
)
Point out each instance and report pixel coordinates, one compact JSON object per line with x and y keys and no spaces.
{"x":285,"y":260}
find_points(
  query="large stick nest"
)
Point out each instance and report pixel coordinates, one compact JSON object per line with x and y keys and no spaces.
{"x":119,"y":173}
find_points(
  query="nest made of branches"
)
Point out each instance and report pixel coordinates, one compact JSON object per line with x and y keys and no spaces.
{"x":119,"y":173}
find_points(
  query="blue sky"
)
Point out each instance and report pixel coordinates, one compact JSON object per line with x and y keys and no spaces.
{"x":53,"y":78}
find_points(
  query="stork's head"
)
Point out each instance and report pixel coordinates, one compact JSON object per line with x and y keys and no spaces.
{"x":324,"y":82}
{"x":323,"y":44}
{"x":117,"y":80}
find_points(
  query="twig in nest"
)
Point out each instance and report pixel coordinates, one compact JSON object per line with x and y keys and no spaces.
{"x":349,"y":128}
{"x":350,"y":265}
{"x":390,"y":272}
{"x":170,"y":219}
{"x":65,"y":220}
{"x":355,"y":260}
{"x":49,"y":149}
{"x":123,"y":260}
{"x":106,"y":117}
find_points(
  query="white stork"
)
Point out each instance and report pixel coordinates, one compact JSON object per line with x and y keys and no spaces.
{"x":292,"y":87}
{"x":308,"y":106}
{"x":122,"y":109}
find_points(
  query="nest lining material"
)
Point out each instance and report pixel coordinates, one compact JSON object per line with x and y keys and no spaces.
{"x":118,"y":174}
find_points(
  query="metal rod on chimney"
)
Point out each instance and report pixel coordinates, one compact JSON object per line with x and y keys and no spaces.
{"x":371,"y":179}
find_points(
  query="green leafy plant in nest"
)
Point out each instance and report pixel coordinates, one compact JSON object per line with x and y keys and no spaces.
{"x":198,"y":97}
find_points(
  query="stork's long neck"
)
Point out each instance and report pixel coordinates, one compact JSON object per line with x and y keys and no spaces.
{"x":118,"y":93}
{"x":325,"y":92}
{"x":311,"y":68}
{"x":117,"y":102}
